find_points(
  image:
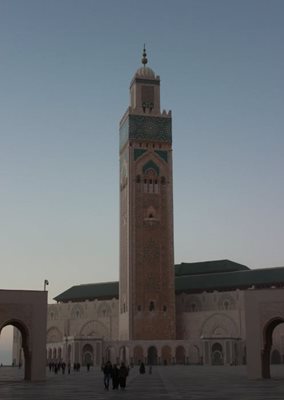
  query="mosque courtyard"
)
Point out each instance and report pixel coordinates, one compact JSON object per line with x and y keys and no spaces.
{"x":167,"y":382}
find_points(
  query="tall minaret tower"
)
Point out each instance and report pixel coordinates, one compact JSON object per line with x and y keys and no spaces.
{"x":146,"y":283}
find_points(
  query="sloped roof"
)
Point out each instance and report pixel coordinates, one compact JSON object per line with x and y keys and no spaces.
{"x":91,"y":291}
{"x":208,"y":267}
{"x":189,"y":277}
{"x":241,"y":279}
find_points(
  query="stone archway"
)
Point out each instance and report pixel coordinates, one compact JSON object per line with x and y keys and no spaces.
{"x":152,"y":355}
{"x":194,"y":354}
{"x":267,"y":339}
{"x":27,"y":311}
{"x":138,"y":355}
{"x":275,"y":357}
{"x":87,"y":354}
{"x":180,"y":355}
{"x":217,"y":354}
{"x":166,"y":355}
{"x":25,"y":336}
{"x":264,"y":311}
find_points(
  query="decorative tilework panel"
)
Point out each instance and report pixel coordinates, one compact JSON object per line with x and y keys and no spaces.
{"x":151,"y":165}
{"x":163,"y":154}
{"x":138,"y":153}
{"x":140,"y":127}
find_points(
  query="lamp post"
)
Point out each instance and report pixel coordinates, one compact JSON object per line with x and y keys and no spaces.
{"x":45,"y":284}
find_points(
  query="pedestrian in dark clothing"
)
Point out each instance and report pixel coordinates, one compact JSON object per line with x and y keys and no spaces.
{"x":123,"y":373}
{"x":142,"y":368}
{"x":63,"y":366}
{"x":107,"y":370}
{"x":115,"y":377}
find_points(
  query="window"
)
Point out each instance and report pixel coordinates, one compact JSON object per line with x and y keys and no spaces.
{"x":151,"y":181}
{"x":164,"y":308}
{"x":193,"y":307}
{"x":226,"y":305}
{"x":139,"y":308}
{"x":151,"y":306}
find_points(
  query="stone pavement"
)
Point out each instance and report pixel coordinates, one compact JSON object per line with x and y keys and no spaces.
{"x":165,"y":383}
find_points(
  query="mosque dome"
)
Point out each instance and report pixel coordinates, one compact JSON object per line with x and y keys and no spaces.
{"x":145,"y":72}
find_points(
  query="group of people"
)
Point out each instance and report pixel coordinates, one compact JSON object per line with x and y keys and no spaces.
{"x":117,"y":375}
{"x":57,"y":366}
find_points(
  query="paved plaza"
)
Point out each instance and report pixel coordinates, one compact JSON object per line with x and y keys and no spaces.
{"x":167,"y":383}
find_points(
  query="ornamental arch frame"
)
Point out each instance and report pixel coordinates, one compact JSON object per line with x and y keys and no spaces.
{"x":27,"y":311}
{"x":264,"y":310}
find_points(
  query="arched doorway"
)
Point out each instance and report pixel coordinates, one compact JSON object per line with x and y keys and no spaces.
{"x":152,"y":355}
{"x":123,"y":354}
{"x":166,"y":355}
{"x":24,"y":355}
{"x":59,"y":352}
{"x":88,"y":355}
{"x":194,"y":355}
{"x":217,"y":354}
{"x":267,"y":342}
{"x":27,"y":311}
{"x":138,"y":355}
{"x":180,"y":355}
{"x":7,"y":358}
{"x":69,"y":352}
{"x":49,"y":357}
{"x":275,"y":357}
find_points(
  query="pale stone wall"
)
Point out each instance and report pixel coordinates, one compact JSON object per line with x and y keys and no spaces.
{"x":75,"y":330}
{"x":203,"y":320}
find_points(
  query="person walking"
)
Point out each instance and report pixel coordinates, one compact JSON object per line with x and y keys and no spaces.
{"x":107,"y":370}
{"x":115,"y":377}
{"x":142,"y":368}
{"x":123,"y":373}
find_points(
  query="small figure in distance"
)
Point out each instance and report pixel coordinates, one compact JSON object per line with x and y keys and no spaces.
{"x":142,"y":368}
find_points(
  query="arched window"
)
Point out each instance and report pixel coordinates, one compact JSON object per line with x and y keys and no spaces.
{"x":151,"y":181}
{"x":151,"y":306}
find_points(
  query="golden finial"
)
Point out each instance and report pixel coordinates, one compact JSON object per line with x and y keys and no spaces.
{"x":144,"y":58}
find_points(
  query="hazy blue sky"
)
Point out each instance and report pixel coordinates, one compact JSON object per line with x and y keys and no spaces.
{"x":65,"y":69}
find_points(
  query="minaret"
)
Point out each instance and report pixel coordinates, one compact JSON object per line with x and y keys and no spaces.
{"x":146,"y":283}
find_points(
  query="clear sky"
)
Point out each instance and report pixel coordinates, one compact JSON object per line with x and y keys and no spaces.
{"x":65,"y":69}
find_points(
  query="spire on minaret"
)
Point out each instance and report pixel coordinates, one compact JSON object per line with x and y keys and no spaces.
{"x":144,"y":58}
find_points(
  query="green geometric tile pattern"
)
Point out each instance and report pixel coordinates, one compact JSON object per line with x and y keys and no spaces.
{"x":140,"y":127}
{"x":163,"y":154}
{"x":138,"y":153}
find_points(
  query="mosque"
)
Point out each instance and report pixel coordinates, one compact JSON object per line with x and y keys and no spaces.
{"x":158,"y":312}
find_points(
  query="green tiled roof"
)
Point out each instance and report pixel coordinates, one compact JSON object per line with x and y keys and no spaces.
{"x":91,"y":291}
{"x":230,"y":280}
{"x":208,"y":267}
{"x":190,"y":277}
